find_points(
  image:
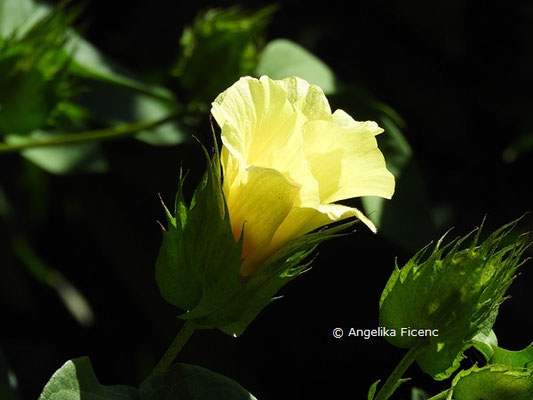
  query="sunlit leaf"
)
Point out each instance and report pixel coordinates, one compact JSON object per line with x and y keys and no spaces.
{"x":517,"y":359}
{"x":76,"y":380}
{"x":494,"y":382}
{"x":62,"y":159}
{"x":282,"y":58}
{"x":190,"y":382}
{"x":17,"y":15}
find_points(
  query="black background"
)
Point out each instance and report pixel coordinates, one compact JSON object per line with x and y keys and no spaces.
{"x":458,"y":72}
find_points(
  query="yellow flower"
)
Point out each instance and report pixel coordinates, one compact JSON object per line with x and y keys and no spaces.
{"x":286,"y":159}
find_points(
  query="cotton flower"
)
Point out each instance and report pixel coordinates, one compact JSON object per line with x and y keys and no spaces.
{"x":287,"y":159}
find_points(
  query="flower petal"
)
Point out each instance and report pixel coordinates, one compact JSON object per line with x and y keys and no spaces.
{"x":260,"y":127}
{"x":304,"y":220}
{"x":308,"y":99}
{"x":346,"y":162}
{"x":343,"y":119}
{"x":259,"y":200}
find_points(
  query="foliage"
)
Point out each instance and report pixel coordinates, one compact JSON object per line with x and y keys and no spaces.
{"x":76,"y":380}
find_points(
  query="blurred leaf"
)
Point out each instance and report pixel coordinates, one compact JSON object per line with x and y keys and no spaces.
{"x":405,"y":219}
{"x":33,"y":74}
{"x":220,"y":47}
{"x":8,"y":381}
{"x":19,"y":16}
{"x":4,"y":205}
{"x":25,"y":102}
{"x":518,"y":148}
{"x":111,"y":105}
{"x":62,"y":159}
{"x":190,"y":382}
{"x":72,"y":298}
{"x":282,"y":58}
{"x":76,"y":380}
{"x":15,"y":14}
{"x":89,"y":62}
{"x":418,"y":394}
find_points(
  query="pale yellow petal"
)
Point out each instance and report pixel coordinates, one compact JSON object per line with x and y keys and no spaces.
{"x":308,"y":99}
{"x":304,"y":220}
{"x":259,"y":200}
{"x":260,"y":127}
{"x":346,"y":162}
{"x":344,"y":120}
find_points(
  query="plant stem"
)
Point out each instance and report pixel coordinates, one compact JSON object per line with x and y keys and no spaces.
{"x":87,"y":136}
{"x":175,"y":347}
{"x":441,"y":396}
{"x":390,"y":385}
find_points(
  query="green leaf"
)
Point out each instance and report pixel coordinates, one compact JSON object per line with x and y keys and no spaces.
{"x":33,"y":74}
{"x":74,"y":301}
{"x":485,"y":343}
{"x":15,"y":14}
{"x":418,"y":394}
{"x":455,"y":291}
{"x":8,"y":381}
{"x":89,"y":62}
{"x":406,"y":219}
{"x":113,"y":105}
{"x":520,"y":147}
{"x":446,"y":395}
{"x":190,"y":382}
{"x":62,"y":159}
{"x":19,"y":16}
{"x":494,"y":382}
{"x":516,"y":359}
{"x":26,"y":102}
{"x":76,"y":380}
{"x":372,"y":390}
{"x":282,"y":58}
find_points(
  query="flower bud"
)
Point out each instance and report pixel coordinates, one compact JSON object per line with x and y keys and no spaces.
{"x":286,"y":158}
{"x":454,"y":292}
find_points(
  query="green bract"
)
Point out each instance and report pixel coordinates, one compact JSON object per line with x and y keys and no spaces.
{"x":198,"y":265}
{"x":457,"y":291}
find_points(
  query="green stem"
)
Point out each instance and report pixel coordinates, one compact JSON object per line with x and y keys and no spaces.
{"x":87,"y":136}
{"x":130,"y":84}
{"x":182,"y":337}
{"x":392,"y":382}
{"x":441,"y":396}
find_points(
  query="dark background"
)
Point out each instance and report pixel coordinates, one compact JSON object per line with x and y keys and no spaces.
{"x":458,"y":72}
